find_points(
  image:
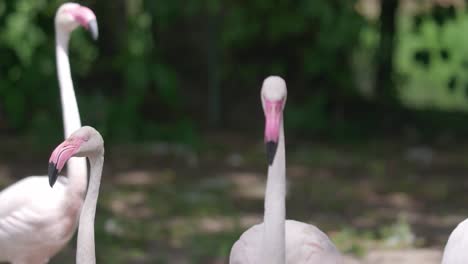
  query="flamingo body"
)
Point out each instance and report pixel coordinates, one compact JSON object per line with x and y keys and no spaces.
{"x":456,"y":250}
{"x":32,"y":229}
{"x":305,"y":244}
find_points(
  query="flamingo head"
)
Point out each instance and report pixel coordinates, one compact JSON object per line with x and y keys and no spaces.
{"x":71,"y":15}
{"x":84,"y":142}
{"x":273,"y":97}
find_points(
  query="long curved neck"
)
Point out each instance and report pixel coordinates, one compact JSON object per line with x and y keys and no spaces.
{"x":275,"y":209}
{"x":85,"y":252}
{"x":76,"y":167}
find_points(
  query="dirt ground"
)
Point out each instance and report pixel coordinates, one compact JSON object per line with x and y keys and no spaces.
{"x":380,"y":202}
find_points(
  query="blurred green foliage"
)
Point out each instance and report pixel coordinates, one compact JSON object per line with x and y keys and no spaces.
{"x":432,"y":60}
{"x":166,"y":69}
{"x":160,"y":68}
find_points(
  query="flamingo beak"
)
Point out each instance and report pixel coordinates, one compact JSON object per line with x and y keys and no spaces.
{"x":273,"y":117}
{"x":60,"y":156}
{"x":93,"y":29}
{"x":87,"y":19}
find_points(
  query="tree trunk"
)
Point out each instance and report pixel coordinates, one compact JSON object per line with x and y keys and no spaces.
{"x":385,"y":92}
{"x":214,"y":72}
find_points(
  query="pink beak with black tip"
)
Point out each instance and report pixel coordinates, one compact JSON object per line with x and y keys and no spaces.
{"x":61,"y":155}
{"x":87,"y":19}
{"x":273,"y":116}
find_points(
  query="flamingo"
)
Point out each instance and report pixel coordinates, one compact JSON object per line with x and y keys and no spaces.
{"x":85,"y":142}
{"x":456,"y":250}
{"x":35,"y":221}
{"x":276,"y":240}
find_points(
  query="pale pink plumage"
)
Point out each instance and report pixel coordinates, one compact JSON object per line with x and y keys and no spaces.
{"x":33,"y":228}
{"x":305,"y":244}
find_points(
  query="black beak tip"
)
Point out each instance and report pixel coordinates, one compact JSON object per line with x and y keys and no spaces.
{"x":93,"y":29}
{"x":53,"y":174}
{"x":271,"y":147}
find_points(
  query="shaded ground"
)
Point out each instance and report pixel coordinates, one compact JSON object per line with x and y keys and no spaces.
{"x":380,"y":202}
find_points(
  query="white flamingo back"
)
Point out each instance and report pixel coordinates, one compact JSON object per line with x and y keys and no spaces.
{"x":27,"y":235}
{"x":305,"y":244}
{"x":456,"y":250}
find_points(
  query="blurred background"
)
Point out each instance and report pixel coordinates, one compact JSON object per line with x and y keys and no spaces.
{"x":375,"y":120}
